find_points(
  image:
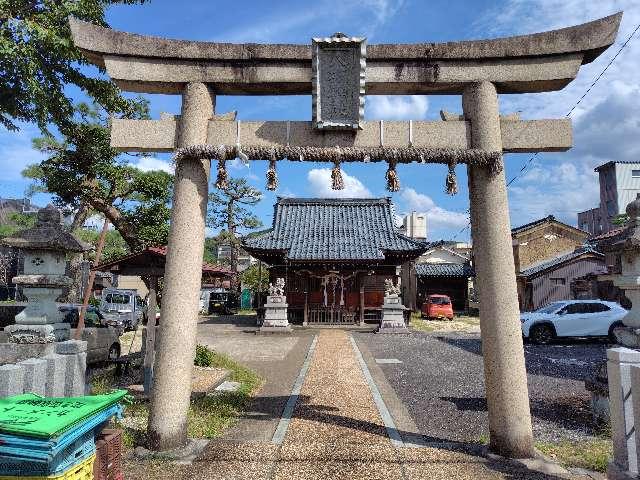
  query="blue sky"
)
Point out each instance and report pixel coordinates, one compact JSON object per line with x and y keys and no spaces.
{"x":606,"y":124}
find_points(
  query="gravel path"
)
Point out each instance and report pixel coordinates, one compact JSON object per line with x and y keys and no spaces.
{"x":440,"y":380}
{"x":337,"y":432}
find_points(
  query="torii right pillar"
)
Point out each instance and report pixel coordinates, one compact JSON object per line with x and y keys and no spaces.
{"x":502,"y":349}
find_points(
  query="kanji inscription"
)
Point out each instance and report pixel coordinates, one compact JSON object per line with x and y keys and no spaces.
{"x":338,"y":82}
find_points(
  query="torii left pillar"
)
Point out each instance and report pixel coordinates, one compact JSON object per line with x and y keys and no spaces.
{"x":171,"y":390}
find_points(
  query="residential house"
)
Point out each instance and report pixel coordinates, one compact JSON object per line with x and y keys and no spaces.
{"x":445,"y":268}
{"x":548,"y":256}
{"x":619,"y":185}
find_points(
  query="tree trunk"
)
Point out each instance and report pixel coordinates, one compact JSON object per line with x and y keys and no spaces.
{"x":233,"y":259}
{"x":118,"y":221}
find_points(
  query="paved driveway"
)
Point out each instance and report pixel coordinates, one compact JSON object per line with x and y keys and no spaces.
{"x":440,"y":381}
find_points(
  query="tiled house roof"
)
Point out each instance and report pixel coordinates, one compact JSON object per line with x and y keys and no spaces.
{"x":557,"y":261}
{"x":548,"y":219}
{"x":444,"y":270}
{"x":319,"y":229}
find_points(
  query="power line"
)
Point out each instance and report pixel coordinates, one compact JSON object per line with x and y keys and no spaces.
{"x":525,"y":166}
{"x":568,"y":114}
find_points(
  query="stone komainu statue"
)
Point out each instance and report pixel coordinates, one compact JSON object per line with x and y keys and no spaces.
{"x":278,"y":288}
{"x":390,"y":288}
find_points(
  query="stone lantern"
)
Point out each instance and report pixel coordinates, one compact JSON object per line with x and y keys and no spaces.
{"x":623,"y":262}
{"x":45,"y":247}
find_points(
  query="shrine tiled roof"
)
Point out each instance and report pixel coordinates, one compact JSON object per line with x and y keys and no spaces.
{"x":444,"y":270}
{"x":333,"y":229}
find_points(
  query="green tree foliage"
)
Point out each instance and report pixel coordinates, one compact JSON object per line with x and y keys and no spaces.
{"x":228,"y":211}
{"x":84,"y":172}
{"x":255,"y":278}
{"x":38,"y":62}
{"x":17,"y":221}
{"x":211,"y":250}
{"x":620,"y":219}
{"x":114,"y":244}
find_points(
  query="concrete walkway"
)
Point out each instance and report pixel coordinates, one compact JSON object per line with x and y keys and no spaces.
{"x":340,"y":428}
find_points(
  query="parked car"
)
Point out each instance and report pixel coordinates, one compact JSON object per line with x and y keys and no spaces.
{"x":572,"y":318}
{"x":224,"y":302}
{"x":122,"y":308}
{"x":437,"y":306}
{"x":103,"y":340}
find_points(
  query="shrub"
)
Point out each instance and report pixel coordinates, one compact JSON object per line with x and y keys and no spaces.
{"x":204,"y":356}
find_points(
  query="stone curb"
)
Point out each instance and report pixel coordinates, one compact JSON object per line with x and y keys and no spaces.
{"x":183,"y":455}
{"x":541,"y":463}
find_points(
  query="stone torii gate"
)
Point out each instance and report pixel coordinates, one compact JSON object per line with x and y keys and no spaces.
{"x":338,"y":72}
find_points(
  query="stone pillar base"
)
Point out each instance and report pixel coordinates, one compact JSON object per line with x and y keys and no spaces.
{"x":616,"y":472}
{"x":276,"y":330}
{"x":35,"y":334}
{"x":627,"y":336}
{"x":393,"y":316}
{"x":275,"y":315}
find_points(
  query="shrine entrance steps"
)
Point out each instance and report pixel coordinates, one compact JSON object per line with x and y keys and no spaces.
{"x":337,"y":425}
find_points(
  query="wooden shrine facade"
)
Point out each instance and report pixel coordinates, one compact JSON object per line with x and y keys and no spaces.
{"x":335,"y":255}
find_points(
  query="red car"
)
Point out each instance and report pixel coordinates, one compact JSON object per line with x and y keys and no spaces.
{"x":437,"y":306}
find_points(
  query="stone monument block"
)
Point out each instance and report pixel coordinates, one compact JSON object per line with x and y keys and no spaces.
{"x":11,"y":380}
{"x":35,"y":375}
{"x":56,"y":373}
{"x":71,"y":347}
{"x":74,"y":382}
{"x":31,"y":333}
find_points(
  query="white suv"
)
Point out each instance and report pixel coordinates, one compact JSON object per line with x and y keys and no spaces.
{"x":572,"y":318}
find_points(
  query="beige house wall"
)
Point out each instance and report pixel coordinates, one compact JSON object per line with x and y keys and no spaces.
{"x":131,"y":282}
{"x":543,"y":243}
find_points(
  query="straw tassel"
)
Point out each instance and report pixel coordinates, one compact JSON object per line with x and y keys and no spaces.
{"x":451,"y":182}
{"x":272,"y":175}
{"x":393,"y":183}
{"x":337,"y":183}
{"x":222,"y":180}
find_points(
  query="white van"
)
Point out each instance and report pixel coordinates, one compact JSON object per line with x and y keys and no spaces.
{"x":122,"y":308}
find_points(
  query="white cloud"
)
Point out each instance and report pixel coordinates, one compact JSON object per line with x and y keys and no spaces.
{"x":437,"y":217}
{"x":396,"y":107}
{"x":364,"y":17}
{"x":148,"y":164}
{"x":320,"y":185}
{"x":16,"y":152}
{"x":605,"y":122}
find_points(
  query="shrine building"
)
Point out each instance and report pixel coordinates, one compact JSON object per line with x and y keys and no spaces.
{"x":335,"y":255}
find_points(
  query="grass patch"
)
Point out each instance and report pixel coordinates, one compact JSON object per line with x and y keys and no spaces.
{"x":246,"y":311}
{"x":208,"y":416}
{"x":421,"y":325}
{"x":103,"y":383}
{"x":589,"y":454}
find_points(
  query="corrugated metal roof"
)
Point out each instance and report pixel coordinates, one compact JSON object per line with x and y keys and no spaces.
{"x":333,"y":229}
{"x":444,"y":270}
{"x":613,"y":162}
{"x":557,"y":261}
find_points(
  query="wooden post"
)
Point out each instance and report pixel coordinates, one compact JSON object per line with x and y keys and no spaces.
{"x":361,"y":303}
{"x":305,"y":320}
{"x":90,"y":280}
{"x":150,"y":350}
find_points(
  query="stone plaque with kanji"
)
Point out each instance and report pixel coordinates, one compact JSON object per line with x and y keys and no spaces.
{"x":338,"y":82}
